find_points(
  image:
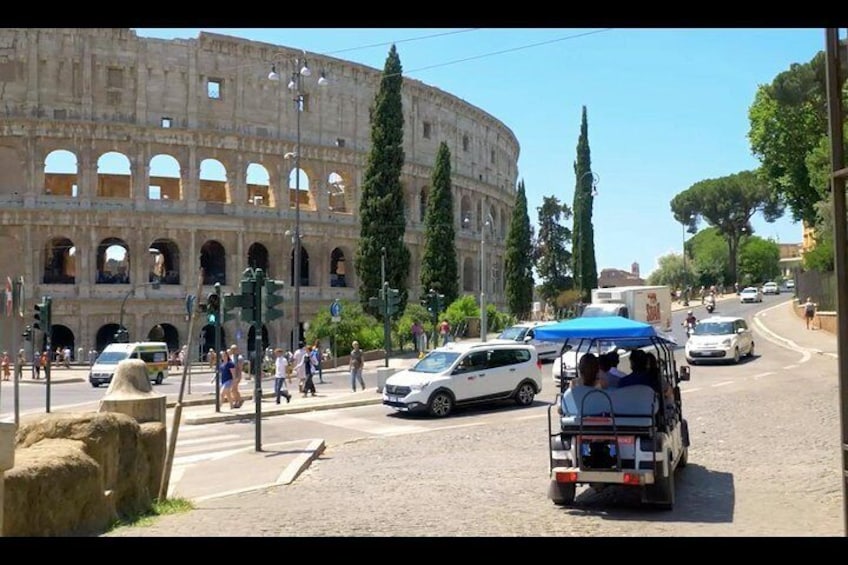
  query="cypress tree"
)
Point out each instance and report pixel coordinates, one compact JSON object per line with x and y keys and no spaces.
{"x":518,"y":260}
{"x":439,"y":268}
{"x":585,"y":267}
{"x":381,"y":207}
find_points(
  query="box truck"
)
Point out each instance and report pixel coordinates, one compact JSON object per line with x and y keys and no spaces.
{"x":649,"y":304}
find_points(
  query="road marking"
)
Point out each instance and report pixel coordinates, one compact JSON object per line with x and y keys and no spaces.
{"x":174,"y":478}
{"x":776,"y":339}
{"x":722,"y":384}
{"x":207,"y":439}
{"x":761,"y":375}
{"x":682,"y":390}
{"x":790,"y":367}
{"x":834,"y":355}
{"x":366,"y":425}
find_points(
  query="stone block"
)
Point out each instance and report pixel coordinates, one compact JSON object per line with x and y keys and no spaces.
{"x":130,"y":393}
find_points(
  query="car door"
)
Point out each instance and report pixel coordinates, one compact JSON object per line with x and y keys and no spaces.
{"x":745,"y":336}
{"x":469,"y":378}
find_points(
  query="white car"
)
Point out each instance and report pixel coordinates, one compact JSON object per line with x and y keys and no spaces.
{"x":525,"y":333}
{"x":466,"y":373}
{"x":771,"y":288}
{"x":571,"y":358}
{"x":750,"y":294}
{"x":720,"y":338}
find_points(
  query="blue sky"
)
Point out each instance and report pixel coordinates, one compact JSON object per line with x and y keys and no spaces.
{"x":666,"y":108}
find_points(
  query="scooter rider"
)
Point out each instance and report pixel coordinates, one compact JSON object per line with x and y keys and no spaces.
{"x":689,"y":322}
{"x":711,"y":302}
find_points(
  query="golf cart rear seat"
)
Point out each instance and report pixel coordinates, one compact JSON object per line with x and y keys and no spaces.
{"x":629,"y":407}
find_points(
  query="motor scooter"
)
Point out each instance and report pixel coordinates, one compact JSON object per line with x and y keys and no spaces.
{"x":710,"y":307}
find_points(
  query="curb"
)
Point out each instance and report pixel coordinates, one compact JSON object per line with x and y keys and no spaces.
{"x":293,"y":470}
{"x":42,"y":381}
{"x":237,"y":416}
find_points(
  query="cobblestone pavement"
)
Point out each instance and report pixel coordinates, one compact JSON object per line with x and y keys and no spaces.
{"x":764,"y":461}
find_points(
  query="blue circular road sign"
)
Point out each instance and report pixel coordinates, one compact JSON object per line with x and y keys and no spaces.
{"x":335,"y":309}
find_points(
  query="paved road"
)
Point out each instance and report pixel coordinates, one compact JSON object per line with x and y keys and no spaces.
{"x":485,"y":473}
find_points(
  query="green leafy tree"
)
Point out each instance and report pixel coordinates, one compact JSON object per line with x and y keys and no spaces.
{"x":551,"y":249}
{"x":584,"y":264}
{"x":669,"y":271}
{"x":759,"y":259}
{"x":381,"y":208}
{"x":728,"y":204}
{"x":788,"y":120}
{"x":439,"y":268}
{"x":355,"y":325}
{"x":710,"y":259}
{"x":518,"y":259}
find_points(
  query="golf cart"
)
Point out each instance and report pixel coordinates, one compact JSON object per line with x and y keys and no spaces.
{"x":633,"y":436}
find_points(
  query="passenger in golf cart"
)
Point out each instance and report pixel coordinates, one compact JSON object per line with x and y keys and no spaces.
{"x":630,"y":435}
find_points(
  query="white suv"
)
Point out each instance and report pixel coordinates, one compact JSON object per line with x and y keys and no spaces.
{"x":720,"y":338}
{"x":525,"y":332}
{"x":466,"y":373}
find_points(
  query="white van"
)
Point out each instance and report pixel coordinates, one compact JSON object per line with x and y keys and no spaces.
{"x":153,"y":353}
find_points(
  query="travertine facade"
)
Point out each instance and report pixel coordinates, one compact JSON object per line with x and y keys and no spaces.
{"x":105,"y":144}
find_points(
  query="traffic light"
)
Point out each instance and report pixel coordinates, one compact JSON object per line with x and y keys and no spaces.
{"x":42,"y":315}
{"x":375,"y":304}
{"x":27,"y":335}
{"x":393,"y":301}
{"x":122,"y":336}
{"x":270,"y":300}
{"x":248,"y":300}
{"x":213,"y":305}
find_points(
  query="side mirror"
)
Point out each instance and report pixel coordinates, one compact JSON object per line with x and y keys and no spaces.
{"x":528,"y":339}
{"x":683,"y":373}
{"x":740,"y":330}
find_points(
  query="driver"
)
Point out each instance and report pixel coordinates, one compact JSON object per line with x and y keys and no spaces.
{"x":690,"y":319}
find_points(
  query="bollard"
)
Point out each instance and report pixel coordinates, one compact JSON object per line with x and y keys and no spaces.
{"x":383,"y":373}
{"x":7,"y":460}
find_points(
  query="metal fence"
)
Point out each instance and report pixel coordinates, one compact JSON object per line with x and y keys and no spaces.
{"x":820,"y":286}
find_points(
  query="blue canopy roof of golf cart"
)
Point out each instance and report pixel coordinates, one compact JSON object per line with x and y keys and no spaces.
{"x":601,"y":328}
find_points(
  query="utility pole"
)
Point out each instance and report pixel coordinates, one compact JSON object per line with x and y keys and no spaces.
{"x":178,"y":409}
{"x":386,"y":326}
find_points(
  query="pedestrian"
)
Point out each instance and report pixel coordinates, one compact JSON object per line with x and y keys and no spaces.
{"x":444,"y":331}
{"x":301,"y":360}
{"x":66,"y":357}
{"x":309,"y":371}
{"x":356,"y":362}
{"x":36,"y":365}
{"x":809,"y":312}
{"x":281,"y":365}
{"x":226,"y":368}
{"x":238,"y":365}
{"x":21,"y":363}
{"x":316,"y":360}
{"x":5,"y":363}
{"x":45,"y":360}
{"x":417,"y":330}
{"x":211,"y":358}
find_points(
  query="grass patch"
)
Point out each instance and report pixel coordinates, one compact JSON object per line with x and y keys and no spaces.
{"x":160,"y":508}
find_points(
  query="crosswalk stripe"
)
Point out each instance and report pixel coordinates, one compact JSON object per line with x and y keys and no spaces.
{"x":359,"y":424}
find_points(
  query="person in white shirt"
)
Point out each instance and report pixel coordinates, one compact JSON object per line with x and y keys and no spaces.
{"x":280,"y":364}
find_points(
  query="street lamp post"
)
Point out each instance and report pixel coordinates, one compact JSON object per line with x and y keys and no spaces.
{"x":490,"y":222}
{"x":299,"y":69}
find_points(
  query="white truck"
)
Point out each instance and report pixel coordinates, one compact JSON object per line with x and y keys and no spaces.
{"x":649,"y":304}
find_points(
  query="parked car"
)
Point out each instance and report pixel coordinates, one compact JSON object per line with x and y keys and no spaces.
{"x":720,"y":338}
{"x":771,"y":288}
{"x":750,"y":294}
{"x":465,"y":373}
{"x":524,"y":332}
{"x":790,"y":284}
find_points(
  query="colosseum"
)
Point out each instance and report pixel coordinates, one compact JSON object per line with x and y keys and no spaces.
{"x":128,"y":164}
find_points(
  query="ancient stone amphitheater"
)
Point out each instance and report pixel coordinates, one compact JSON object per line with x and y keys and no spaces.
{"x":126,"y":159}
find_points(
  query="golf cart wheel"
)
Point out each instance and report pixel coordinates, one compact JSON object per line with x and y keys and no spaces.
{"x":562,"y":494}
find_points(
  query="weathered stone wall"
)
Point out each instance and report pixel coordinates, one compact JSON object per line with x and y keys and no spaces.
{"x":75,"y":474}
{"x":93,"y":91}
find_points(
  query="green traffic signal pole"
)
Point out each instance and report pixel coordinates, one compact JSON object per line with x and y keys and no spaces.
{"x":259,"y":348}
{"x":218,"y":347}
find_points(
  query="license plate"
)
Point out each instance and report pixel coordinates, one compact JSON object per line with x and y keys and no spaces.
{"x":394,"y":398}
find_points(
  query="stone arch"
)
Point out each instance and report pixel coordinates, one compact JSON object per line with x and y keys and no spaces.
{"x":61,"y":337}
{"x":207,"y":340}
{"x":113,"y":261}
{"x":165,"y":181}
{"x":259,"y":191}
{"x":304,"y":266}
{"x":60,"y":173}
{"x":338,"y":268}
{"x":213,"y":261}
{"x":503,"y":222}
{"x":60,"y":261}
{"x":479,"y":216}
{"x":114,"y":175}
{"x":165,"y":332}
{"x":305,"y":194}
{"x":468,"y":274}
{"x":423,"y":195}
{"x":213,"y":186}
{"x":465,"y":213}
{"x":337,"y":193}
{"x":257,"y":258}
{"x":166,"y":265}
{"x":105,"y":336}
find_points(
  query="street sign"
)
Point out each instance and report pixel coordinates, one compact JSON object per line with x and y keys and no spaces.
{"x":189,"y":302}
{"x":336,"y":311}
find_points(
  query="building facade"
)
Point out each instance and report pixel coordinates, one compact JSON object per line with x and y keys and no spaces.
{"x":126,"y":160}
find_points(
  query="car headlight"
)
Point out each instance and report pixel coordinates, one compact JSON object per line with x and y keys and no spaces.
{"x":727,"y":342}
{"x":419,"y":386}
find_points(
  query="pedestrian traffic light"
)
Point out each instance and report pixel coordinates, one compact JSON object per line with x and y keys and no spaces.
{"x":41,"y":316}
{"x":270,"y":300}
{"x":27,"y":335}
{"x":248,"y":300}
{"x":393,"y":301}
{"x":213,"y":305}
{"x":122,"y":336}
{"x":375,"y":304}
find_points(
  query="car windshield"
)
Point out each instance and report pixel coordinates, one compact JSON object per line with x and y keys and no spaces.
{"x":514,"y":333}
{"x":714,"y":328}
{"x":749,"y":291}
{"x":111,"y":357}
{"x":770,"y":284}
{"x":435,"y":362}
